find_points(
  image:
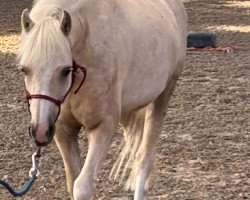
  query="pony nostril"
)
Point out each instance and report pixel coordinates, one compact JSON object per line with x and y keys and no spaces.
{"x":42,"y":134}
{"x":32,"y":130}
{"x":50,"y":131}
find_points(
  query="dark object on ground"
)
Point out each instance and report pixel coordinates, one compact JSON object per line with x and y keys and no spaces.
{"x":201,"y":40}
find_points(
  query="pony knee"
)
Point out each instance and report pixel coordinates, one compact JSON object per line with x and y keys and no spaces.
{"x":82,"y":191}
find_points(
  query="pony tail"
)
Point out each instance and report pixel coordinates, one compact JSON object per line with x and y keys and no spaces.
{"x":126,"y":159}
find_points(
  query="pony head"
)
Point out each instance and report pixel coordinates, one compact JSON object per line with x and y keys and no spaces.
{"x":46,"y":60}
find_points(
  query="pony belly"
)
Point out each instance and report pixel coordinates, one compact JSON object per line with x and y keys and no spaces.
{"x":143,"y":92}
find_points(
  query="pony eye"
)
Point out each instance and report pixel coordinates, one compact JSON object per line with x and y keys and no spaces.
{"x":25,"y":70}
{"x":66,"y":71}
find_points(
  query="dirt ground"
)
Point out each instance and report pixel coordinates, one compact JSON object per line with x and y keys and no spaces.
{"x":204,"y":150}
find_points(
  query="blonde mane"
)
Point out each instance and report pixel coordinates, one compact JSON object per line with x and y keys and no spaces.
{"x":64,"y":4}
{"x":45,"y":41}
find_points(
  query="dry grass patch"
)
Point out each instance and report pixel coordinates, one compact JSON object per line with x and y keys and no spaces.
{"x":232,"y":28}
{"x":9,"y":43}
{"x":238,"y":4}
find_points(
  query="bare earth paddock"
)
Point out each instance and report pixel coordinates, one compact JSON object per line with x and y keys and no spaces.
{"x":202,"y":153}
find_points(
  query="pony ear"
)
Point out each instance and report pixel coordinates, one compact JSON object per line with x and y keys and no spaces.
{"x":66,"y":23}
{"x":26,"y":22}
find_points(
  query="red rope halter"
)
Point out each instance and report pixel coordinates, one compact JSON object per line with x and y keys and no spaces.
{"x":58,"y":102}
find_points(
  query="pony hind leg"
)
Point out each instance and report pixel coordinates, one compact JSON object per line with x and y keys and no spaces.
{"x":154,"y":118}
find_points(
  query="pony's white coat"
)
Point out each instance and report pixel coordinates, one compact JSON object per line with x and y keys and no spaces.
{"x":134,"y":51}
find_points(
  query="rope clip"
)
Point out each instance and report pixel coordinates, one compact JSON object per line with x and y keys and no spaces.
{"x":34,"y":171}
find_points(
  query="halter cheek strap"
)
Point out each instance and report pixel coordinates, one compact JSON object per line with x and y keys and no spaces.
{"x":58,"y":102}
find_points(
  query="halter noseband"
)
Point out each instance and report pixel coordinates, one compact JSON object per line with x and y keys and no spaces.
{"x":58,"y":102}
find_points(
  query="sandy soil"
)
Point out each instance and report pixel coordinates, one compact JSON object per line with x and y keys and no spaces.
{"x":202,"y":153}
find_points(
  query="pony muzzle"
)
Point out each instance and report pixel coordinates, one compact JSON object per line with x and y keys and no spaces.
{"x":42,"y":134}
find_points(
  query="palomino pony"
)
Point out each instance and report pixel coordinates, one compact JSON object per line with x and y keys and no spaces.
{"x":131,"y":52}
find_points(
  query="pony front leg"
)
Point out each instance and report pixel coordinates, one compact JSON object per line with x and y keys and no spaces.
{"x":67,"y":142}
{"x":99,"y":143}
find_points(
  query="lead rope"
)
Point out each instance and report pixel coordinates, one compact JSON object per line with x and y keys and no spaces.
{"x":33,"y":173}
